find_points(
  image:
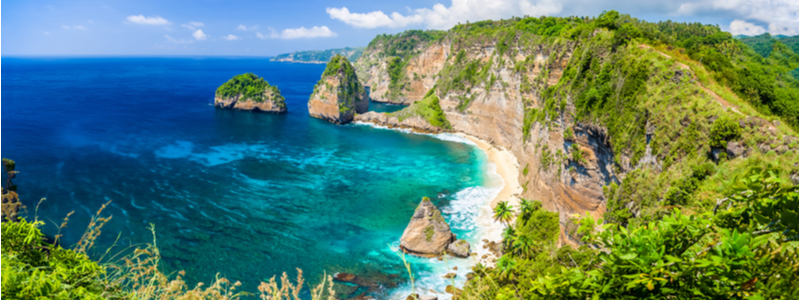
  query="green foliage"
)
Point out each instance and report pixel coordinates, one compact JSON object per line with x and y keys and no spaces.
{"x":525,"y":170}
{"x":577,"y":154}
{"x":33,"y":269}
{"x":749,"y":251}
{"x":764,"y":44}
{"x":352,"y":54}
{"x":428,"y":233}
{"x":428,"y":108}
{"x":724,"y":130}
{"x":396,"y":68}
{"x":503,"y":212}
{"x":251,"y":87}
{"x":404,"y":44}
{"x":681,"y":191}
{"x":569,"y":135}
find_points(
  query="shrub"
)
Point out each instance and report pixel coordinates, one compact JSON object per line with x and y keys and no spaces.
{"x":724,"y":130}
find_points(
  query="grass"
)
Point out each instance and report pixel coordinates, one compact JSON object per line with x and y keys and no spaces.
{"x":428,"y":108}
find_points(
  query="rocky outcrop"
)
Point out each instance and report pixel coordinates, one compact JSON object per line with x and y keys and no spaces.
{"x":459,"y":248}
{"x":338,"y":96}
{"x":414,"y":123}
{"x":250,"y":92}
{"x":428,"y":233}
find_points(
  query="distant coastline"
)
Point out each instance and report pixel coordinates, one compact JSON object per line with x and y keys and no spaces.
{"x":317,"y":56}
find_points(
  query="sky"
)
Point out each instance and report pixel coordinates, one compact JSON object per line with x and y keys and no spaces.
{"x":267,"y":28}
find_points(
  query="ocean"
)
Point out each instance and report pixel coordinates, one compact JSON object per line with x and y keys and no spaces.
{"x":243,"y":195}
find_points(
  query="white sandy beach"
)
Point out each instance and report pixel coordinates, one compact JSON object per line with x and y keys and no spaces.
{"x":507,"y":167}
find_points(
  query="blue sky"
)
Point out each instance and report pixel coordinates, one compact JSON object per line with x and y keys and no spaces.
{"x":265,"y":28}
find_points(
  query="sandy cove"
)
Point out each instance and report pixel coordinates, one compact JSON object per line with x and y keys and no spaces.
{"x":507,"y":167}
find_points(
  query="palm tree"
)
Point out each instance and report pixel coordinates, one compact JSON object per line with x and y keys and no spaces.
{"x":503,"y":213}
{"x":507,"y":266}
{"x":523,"y":246}
{"x":525,"y":209}
{"x":480,"y":270}
{"x":509,"y":234}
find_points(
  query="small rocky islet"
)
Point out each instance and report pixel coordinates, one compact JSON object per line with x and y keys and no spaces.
{"x":250,"y":92}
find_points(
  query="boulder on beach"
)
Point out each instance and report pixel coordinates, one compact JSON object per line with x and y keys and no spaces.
{"x":459,"y":248}
{"x":427,"y":234}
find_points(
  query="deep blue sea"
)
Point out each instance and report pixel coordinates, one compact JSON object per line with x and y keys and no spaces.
{"x":244,"y":195}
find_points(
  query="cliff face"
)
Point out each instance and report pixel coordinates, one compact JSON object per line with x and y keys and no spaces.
{"x":496,"y":114}
{"x":416,"y":77}
{"x":338,"y":95}
{"x":580,"y":115}
{"x":250,"y":92}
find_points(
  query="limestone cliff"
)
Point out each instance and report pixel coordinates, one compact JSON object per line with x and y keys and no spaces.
{"x":250,"y":92}
{"x":579,"y":114}
{"x":338,"y":96}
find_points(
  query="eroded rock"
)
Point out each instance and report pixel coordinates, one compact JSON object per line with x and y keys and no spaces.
{"x":338,"y":95}
{"x":428,"y":233}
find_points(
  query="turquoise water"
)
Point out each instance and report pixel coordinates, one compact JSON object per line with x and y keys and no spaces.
{"x":246,"y":195}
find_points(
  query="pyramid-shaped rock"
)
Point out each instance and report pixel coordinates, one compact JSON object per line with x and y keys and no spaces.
{"x":427,"y":234}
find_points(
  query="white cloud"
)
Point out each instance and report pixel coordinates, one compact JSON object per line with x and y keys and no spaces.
{"x":741,"y":27}
{"x":441,"y":17}
{"x":245,"y":28}
{"x":296,"y":33}
{"x":141,"y":19}
{"x":199,"y":35}
{"x":47,"y":33}
{"x":373,"y":19}
{"x":177,"y":41}
{"x":774,"y":16}
{"x":230,"y":37}
{"x":65,"y":26}
{"x":193,"y":25}
{"x":302,"y":32}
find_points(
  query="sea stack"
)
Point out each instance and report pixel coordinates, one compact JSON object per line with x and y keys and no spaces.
{"x":427,"y":234}
{"x":250,"y":92}
{"x":338,"y":96}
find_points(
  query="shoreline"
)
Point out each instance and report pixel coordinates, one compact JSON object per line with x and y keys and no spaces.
{"x":507,"y":168}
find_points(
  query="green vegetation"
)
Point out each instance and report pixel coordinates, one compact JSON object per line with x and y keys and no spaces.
{"x":404,"y":44}
{"x":428,"y":108}
{"x":743,"y":247}
{"x":252,"y":88}
{"x":317,"y":56}
{"x":724,"y":130}
{"x":765,"y":43}
{"x":428,"y":233}
{"x":577,"y":154}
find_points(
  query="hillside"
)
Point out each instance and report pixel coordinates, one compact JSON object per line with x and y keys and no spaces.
{"x":250,"y":92}
{"x":765,"y":43}
{"x":319,"y":56}
{"x":614,"y":117}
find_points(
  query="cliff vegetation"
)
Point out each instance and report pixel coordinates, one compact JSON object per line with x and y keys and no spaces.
{"x":250,"y":87}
